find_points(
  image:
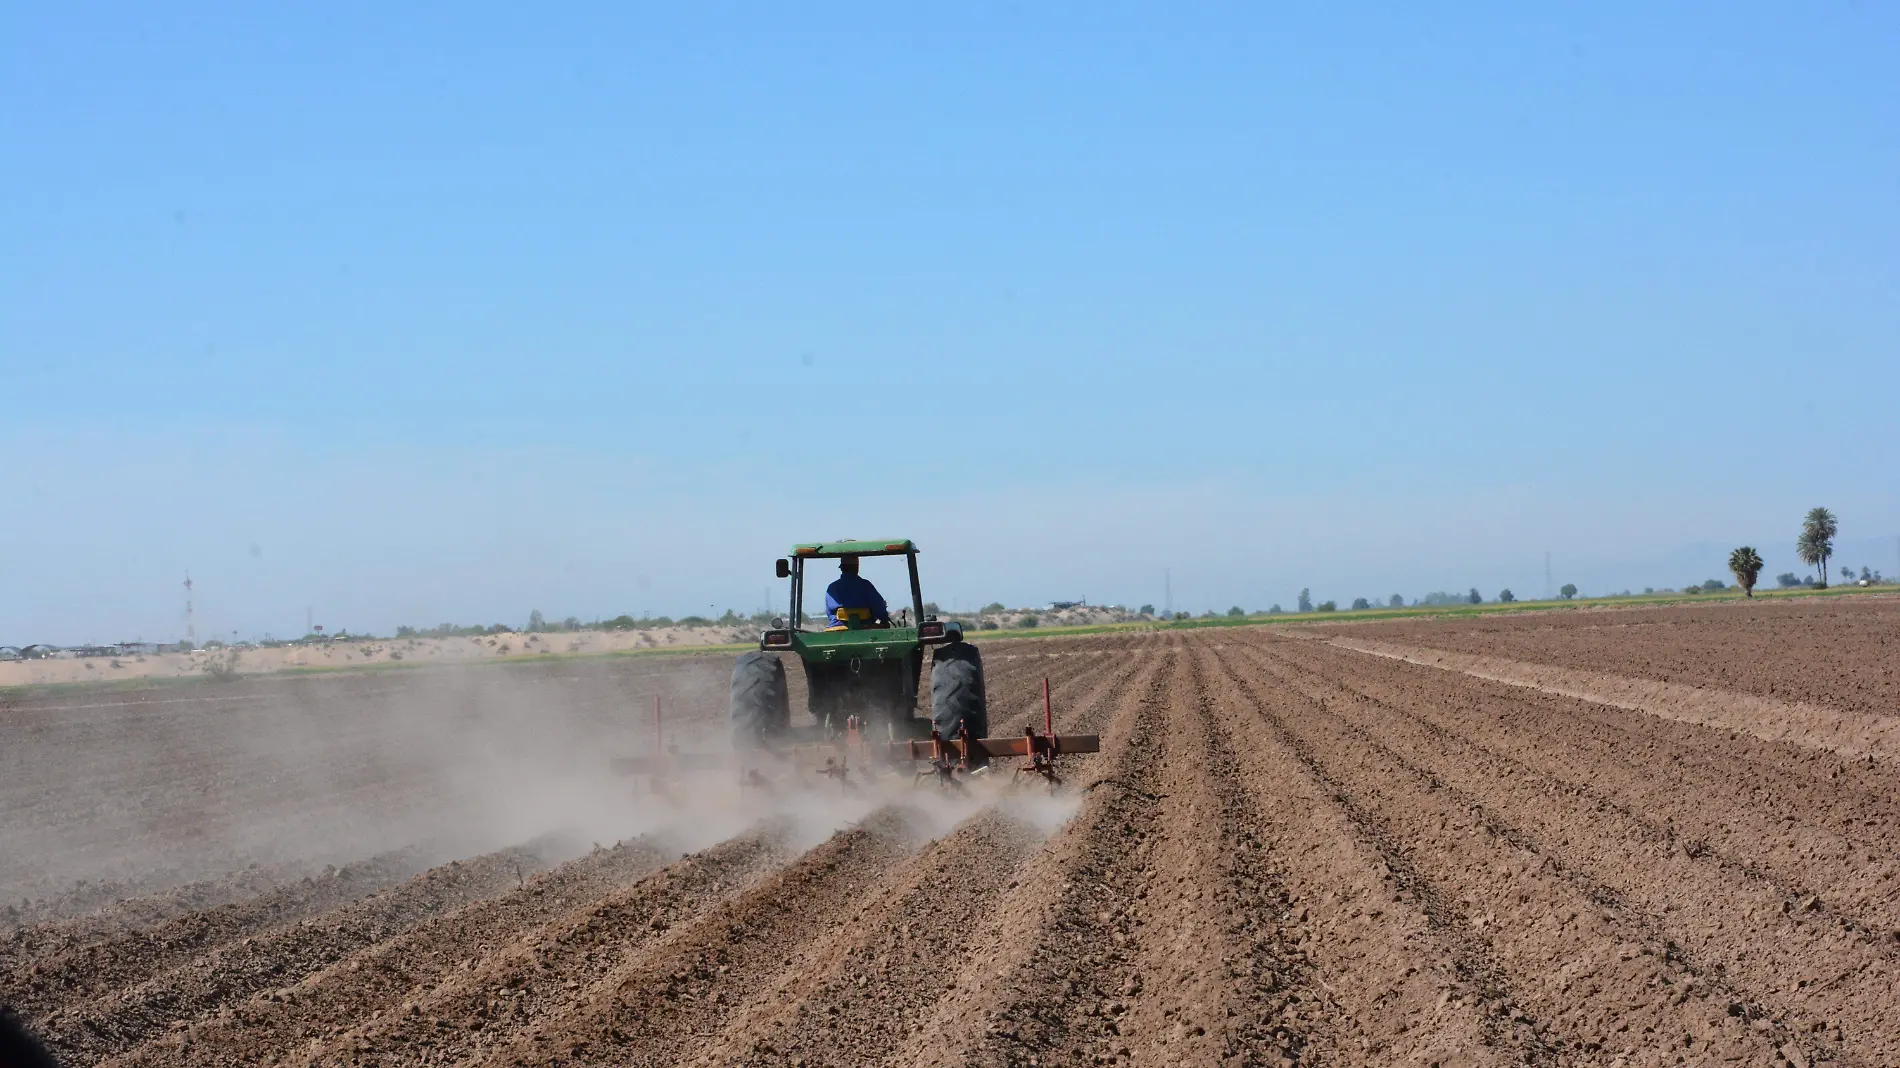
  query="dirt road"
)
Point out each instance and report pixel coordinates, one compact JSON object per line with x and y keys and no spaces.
{"x":1288,"y":852}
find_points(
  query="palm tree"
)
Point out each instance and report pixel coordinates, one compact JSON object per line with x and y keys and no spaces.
{"x":1746,"y":563}
{"x":1816,"y":543}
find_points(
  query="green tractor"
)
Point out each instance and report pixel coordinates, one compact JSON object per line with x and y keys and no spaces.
{"x":862,"y":674}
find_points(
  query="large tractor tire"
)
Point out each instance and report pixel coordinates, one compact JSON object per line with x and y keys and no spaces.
{"x":957,"y":700}
{"x":761,"y":706}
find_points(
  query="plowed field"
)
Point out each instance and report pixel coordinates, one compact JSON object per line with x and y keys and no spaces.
{"x":1290,"y":851}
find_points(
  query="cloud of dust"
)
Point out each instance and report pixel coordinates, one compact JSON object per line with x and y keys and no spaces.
{"x":445,"y":763}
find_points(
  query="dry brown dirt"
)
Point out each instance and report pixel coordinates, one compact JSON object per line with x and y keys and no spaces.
{"x":1842,"y":651}
{"x":1288,"y":852}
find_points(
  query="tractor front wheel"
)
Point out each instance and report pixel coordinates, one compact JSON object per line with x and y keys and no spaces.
{"x":957,"y":701}
{"x":761,"y":706}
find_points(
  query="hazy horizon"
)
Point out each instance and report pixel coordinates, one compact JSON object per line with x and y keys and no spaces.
{"x":372,"y":540}
{"x":411,"y":318}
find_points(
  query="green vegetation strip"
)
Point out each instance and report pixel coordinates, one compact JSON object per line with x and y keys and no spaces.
{"x":152,"y":682}
{"x":40,"y":690}
{"x":1426,"y":611}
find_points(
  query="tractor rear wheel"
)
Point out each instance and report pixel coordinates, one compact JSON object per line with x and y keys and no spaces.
{"x":761,"y":706}
{"x":957,"y":701}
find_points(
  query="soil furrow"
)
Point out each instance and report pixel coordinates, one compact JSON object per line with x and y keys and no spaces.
{"x":89,"y":1032}
{"x":858,"y":998}
{"x":1411,"y":985}
{"x":1809,"y":835}
{"x":56,"y":978}
{"x":1835,"y":651}
{"x":378,"y":978}
{"x":1228,"y":980}
{"x":54,"y":925}
{"x":659,"y":1006}
{"x":482,"y":1002}
{"x":1587,"y":973}
{"x":1849,"y":734}
{"x":1057,"y":975}
{"x":1689,"y":903}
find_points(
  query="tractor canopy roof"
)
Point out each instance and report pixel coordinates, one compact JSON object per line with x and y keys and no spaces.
{"x":873,"y":547}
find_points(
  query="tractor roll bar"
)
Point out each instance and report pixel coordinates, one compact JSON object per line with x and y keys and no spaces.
{"x":916,"y":590}
{"x":796,"y":611}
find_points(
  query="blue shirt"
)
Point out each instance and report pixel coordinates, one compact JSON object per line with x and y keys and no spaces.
{"x":854,"y":591}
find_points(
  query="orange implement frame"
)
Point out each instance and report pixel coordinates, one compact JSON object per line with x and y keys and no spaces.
{"x":949,"y":757}
{"x":1031,"y":745}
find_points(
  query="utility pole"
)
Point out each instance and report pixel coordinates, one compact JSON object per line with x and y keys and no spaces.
{"x":191,"y":624}
{"x":1167,"y":593}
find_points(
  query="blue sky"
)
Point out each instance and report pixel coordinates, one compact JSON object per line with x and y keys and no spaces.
{"x":456,"y":311}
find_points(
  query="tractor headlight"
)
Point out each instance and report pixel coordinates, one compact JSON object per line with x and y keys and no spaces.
{"x":934,"y":631}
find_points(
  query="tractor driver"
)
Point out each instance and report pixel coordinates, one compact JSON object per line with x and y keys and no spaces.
{"x":850,"y":599}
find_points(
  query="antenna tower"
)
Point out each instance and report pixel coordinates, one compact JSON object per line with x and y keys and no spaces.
{"x":191,"y":624}
{"x":1548,"y":592}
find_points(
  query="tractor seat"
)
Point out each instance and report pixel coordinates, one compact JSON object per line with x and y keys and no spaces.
{"x":855,"y":619}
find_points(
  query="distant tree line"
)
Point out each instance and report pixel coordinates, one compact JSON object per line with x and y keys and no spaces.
{"x":538,"y":624}
{"x":1814,"y":546}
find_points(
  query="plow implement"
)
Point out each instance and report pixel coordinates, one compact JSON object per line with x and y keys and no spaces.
{"x":849,"y":755}
{"x":950,"y":760}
